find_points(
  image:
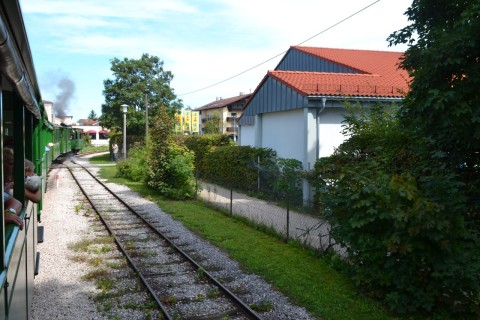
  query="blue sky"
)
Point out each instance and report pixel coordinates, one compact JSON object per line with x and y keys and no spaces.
{"x":201,"y":42}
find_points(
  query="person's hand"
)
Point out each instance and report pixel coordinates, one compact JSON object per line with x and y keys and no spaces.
{"x":13,"y":218}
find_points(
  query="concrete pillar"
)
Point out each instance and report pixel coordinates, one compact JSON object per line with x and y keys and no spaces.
{"x":310,"y":148}
{"x":258,"y":131}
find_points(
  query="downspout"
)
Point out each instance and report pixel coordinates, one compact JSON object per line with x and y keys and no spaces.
{"x":317,"y":117}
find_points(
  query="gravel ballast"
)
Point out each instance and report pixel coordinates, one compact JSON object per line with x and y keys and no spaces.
{"x":59,"y":290}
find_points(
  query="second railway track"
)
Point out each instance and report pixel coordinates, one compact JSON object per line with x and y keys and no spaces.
{"x":182,"y":287}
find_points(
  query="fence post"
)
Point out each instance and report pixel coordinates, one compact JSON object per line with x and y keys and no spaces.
{"x":196,"y":183}
{"x":258,"y":175}
{"x":288,"y":218}
{"x":231,"y":201}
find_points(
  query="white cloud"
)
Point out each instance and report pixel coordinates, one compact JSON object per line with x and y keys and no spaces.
{"x":202,"y":42}
{"x":139,"y":9}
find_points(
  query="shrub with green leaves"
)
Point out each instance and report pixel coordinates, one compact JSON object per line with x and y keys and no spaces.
{"x":178,"y":182}
{"x":288,"y":182}
{"x":202,"y":145}
{"x":238,"y":167}
{"x":170,"y":166}
{"x":135,"y":166}
{"x":402,"y":216}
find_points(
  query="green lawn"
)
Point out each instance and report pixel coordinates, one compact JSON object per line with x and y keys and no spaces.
{"x":101,"y":159}
{"x":89,"y":149}
{"x":307,"y":279}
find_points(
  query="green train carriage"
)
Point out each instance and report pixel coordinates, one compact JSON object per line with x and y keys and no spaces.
{"x":28,"y":132}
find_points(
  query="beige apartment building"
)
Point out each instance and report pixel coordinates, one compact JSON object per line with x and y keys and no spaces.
{"x":222,"y":115}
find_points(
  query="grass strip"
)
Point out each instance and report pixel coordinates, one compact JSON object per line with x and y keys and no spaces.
{"x":308,"y":280}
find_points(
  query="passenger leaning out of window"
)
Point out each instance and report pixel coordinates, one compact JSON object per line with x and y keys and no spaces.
{"x":12,"y":206}
{"x":33,"y":183}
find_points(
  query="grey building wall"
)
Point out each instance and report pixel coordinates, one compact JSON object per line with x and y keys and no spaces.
{"x":296,"y":60}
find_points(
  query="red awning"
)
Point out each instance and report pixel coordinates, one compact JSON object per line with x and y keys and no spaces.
{"x":103,"y":131}
{"x":91,"y":131}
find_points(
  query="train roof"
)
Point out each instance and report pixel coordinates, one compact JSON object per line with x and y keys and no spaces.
{"x":16,"y":62}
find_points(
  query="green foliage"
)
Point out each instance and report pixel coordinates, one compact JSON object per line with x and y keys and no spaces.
{"x":288,"y":181}
{"x":236,"y":166}
{"x":402,"y":217}
{"x":92,"y":115}
{"x":133,"y":79}
{"x":135,"y":166}
{"x":442,"y":110}
{"x":443,"y":103}
{"x":213,"y":124}
{"x":202,"y":145}
{"x":170,"y":166}
{"x":87,"y":141}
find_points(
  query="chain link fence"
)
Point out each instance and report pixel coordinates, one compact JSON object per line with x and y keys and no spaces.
{"x":309,"y":230}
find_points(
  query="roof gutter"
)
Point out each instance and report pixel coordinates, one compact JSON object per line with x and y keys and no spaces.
{"x":11,"y":68}
{"x":349,"y":98}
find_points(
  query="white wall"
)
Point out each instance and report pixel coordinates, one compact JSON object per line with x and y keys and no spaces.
{"x":330,"y":124}
{"x":247,"y":136}
{"x":284,"y":132}
{"x":97,"y":141}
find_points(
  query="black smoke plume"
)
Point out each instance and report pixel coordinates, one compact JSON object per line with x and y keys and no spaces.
{"x":55,"y":83}
{"x":66,"y":90}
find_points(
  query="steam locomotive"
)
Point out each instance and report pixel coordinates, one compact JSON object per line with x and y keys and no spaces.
{"x":28,"y":132}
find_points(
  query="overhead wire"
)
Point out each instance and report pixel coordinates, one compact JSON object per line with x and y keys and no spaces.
{"x":282,"y":53}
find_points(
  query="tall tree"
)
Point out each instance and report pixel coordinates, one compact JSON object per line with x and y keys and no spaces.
{"x":92,"y":115}
{"x":133,"y":79}
{"x":403,"y":193}
{"x":213,"y":124}
{"x":170,"y":166}
{"x":444,"y":59}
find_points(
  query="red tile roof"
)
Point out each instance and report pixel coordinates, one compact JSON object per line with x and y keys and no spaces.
{"x":88,"y":122}
{"x":378,"y":75}
{"x":344,"y":84}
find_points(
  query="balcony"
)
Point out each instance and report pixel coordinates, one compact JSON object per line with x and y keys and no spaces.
{"x":232,"y":129}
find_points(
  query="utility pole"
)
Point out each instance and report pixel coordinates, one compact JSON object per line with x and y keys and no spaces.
{"x":146,"y":119}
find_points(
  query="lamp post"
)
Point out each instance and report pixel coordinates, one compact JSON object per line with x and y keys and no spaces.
{"x":124,"y":108}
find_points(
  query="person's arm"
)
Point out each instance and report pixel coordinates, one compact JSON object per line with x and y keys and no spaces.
{"x":12,"y":203}
{"x":12,"y":208}
{"x":33,"y":196}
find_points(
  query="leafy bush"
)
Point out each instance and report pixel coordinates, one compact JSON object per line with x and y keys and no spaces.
{"x":202,"y":145}
{"x":177,"y":180}
{"x":237,"y":166}
{"x":170,"y":166}
{"x":288,"y":183}
{"x":253,"y":170}
{"x":402,"y":216}
{"x":135,"y":166}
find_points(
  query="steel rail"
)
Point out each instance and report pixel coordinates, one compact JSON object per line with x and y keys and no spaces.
{"x":120,"y":246}
{"x":250,"y":313}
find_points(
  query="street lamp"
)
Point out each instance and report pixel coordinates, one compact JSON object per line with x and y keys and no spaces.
{"x":124,"y":108}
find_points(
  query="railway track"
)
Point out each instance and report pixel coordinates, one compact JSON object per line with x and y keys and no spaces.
{"x":182,"y":288}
